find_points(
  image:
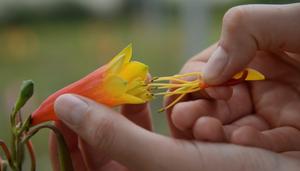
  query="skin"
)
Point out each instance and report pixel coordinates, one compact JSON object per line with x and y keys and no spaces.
{"x":259,"y":114}
{"x":100,"y":139}
{"x":263,"y":113}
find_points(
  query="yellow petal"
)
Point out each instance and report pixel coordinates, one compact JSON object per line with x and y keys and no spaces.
{"x":115,"y":86}
{"x":253,"y":75}
{"x":138,"y":91}
{"x":120,"y":60}
{"x":134,"y":70}
{"x":134,"y":86}
{"x":130,"y":99}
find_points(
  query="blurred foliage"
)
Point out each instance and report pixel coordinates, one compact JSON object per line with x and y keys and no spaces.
{"x":57,"y":48}
{"x":266,"y":1}
{"x":57,"y":52}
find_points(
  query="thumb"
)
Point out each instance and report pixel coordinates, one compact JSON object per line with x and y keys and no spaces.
{"x":247,"y":29}
{"x":111,"y":133}
{"x":115,"y":136}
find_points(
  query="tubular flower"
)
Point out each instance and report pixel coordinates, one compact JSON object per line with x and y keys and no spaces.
{"x":180,"y":86}
{"x":121,"y":81}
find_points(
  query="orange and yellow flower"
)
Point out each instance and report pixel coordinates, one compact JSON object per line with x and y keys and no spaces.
{"x":121,"y":81}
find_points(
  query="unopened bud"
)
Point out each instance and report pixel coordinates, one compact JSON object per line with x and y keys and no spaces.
{"x":26,"y":92}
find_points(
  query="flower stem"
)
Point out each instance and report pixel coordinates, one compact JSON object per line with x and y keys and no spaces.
{"x":13,"y":148}
{"x":17,"y":132}
{"x":64,"y":155}
{"x":5,"y":150}
{"x":31,"y":154}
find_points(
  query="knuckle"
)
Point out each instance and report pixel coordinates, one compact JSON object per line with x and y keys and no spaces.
{"x":234,"y":18}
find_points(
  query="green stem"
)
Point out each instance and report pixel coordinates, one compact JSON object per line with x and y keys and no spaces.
{"x":17,"y":148}
{"x":20,"y":154}
{"x":17,"y":127}
{"x":24,"y":127}
{"x":13,"y":140}
{"x":13,"y":153}
{"x":64,"y":154}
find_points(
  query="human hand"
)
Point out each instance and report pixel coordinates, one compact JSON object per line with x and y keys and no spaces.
{"x":263,"y":113}
{"x":101,"y":139}
{"x":84,"y":156}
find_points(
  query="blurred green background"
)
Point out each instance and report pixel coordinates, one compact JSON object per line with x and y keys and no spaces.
{"x":56,"y":42}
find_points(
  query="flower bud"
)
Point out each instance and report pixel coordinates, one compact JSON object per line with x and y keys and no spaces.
{"x":26,"y":92}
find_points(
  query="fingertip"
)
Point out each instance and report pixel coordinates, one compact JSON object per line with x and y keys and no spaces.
{"x":209,"y":129}
{"x":247,"y":136}
{"x":178,"y":116}
{"x":185,"y":114}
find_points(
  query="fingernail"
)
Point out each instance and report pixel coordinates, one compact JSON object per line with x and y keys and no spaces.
{"x":215,"y":65}
{"x":70,"y":109}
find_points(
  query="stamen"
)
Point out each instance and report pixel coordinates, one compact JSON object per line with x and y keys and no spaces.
{"x":188,"y":74}
{"x":138,"y":88}
{"x":165,"y":85}
{"x":173,"y":103}
{"x":170,"y":93}
{"x":153,"y":79}
{"x":171,"y":79}
{"x":180,"y":87}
